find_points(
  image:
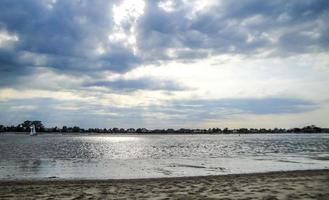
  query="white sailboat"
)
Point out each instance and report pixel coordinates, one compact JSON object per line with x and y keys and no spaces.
{"x":32,"y":132}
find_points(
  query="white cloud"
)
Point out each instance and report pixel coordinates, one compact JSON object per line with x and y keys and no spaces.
{"x":302,"y":76}
{"x":317,"y":117}
{"x":167,"y":5}
{"x":6,"y":38}
{"x":125,"y":17}
{"x":198,"y":6}
{"x":49,"y":3}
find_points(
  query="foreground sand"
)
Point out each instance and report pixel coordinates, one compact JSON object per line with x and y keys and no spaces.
{"x":277,"y":185}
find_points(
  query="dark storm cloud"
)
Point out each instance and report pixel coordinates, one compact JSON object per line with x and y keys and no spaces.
{"x":63,"y":35}
{"x":57,"y":30}
{"x":245,"y":27}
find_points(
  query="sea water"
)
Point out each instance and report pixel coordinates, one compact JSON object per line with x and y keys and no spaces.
{"x":55,"y":156}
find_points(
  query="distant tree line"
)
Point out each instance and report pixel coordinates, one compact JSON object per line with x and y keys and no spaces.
{"x":25,"y":127}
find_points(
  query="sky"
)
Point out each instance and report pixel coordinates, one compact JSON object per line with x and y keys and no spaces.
{"x":165,"y":64}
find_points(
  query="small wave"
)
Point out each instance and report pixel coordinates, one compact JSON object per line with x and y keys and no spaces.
{"x":324,"y":158}
{"x":183,"y":165}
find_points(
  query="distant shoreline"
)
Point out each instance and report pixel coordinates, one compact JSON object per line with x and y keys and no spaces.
{"x":109,"y":134}
{"x":27,"y":126}
{"x":309,"y":184}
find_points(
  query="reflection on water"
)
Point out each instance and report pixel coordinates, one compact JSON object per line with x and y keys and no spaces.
{"x":76,"y":156}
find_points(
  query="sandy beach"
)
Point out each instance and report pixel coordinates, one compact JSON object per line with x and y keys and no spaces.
{"x":313,"y":184}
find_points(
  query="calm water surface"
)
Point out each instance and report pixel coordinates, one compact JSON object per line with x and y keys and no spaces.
{"x":149,"y":156}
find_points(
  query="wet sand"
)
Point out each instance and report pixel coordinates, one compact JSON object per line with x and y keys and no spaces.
{"x":313,"y":184}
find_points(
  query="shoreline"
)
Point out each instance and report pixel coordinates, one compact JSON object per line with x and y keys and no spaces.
{"x":309,"y":184}
{"x":142,"y":134}
{"x":86,"y":181}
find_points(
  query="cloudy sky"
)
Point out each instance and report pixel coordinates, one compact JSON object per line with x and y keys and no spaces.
{"x":165,"y":64}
